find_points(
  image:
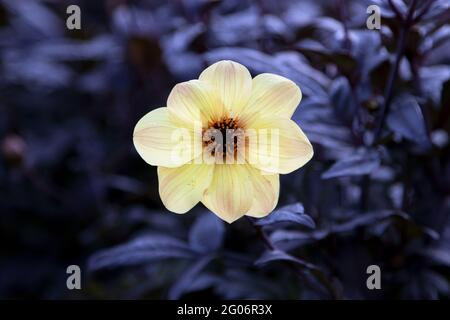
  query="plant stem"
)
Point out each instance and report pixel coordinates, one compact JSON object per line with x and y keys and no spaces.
{"x":405,"y":28}
{"x":318,"y":273}
{"x":395,"y":9}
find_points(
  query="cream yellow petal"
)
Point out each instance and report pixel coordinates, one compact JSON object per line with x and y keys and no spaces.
{"x":194,"y":102}
{"x":272,"y":95}
{"x":280,"y":147}
{"x":265,"y":193}
{"x":182,"y":188}
{"x":233,"y":83}
{"x":230,"y":194}
{"x":160,"y":142}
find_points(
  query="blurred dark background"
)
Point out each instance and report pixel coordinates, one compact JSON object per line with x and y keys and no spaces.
{"x":376,"y":106}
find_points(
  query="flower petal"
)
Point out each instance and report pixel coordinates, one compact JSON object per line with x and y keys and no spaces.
{"x":280,"y":147}
{"x":265,"y":193}
{"x":272,"y":95}
{"x":229,"y":195}
{"x":194,"y":102}
{"x":233,"y":83}
{"x":182,"y":188}
{"x":160,"y":142}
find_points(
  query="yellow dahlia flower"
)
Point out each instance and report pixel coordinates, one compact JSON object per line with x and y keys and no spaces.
{"x":223,"y":140}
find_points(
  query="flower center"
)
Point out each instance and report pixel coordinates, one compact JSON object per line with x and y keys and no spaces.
{"x":224,"y":124}
{"x":223,"y":139}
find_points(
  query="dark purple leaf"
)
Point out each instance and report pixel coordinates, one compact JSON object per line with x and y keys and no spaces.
{"x":299,"y":237}
{"x":187,"y":282}
{"x":406,"y":119}
{"x":437,"y":8}
{"x":368,"y":50}
{"x":286,"y":64}
{"x":386,"y":9}
{"x":150,"y":248}
{"x":366,"y":219}
{"x":293,"y":213}
{"x":433,"y":79}
{"x":356,"y":165}
{"x":278,"y":255}
{"x":363,"y":220}
{"x":207,"y":233}
{"x":343,"y":99}
{"x":440,"y":256}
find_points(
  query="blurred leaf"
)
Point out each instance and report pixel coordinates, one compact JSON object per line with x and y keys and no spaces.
{"x":132,"y":21}
{"x":182,"y":62}
{"x":314,"y":49}
{"x":99,"y":48}
{"x":299,"y":237}
{"x":319,"y":122}
{"x":367,"y":220}
{"x":287,"y":64}
{"x":440,"y":256}
{"x":301,"y":14}
{"x":330,"y":32}
{"x":406,"y":119}
{"x":34,"y":18}
{"x":368,"y":50}
{"x":437,"y":8}
{"x":293,"y":213}
{"x":36,"y":72}
{"x":180,"y":40}
{"x":274,"y":26}
{"x":328,"y":135}
{"x":343,"y":99}
{"x":189,"y":280}
{"x":432,"y":80}
{"x":363,"y":220}
{"x":238,"y":28}
{"x":278,"y":255}
{"x":149,"y":248}
{"x":359,"y":164}
{"x":386,"y":10}
{"x":434,"y":39}
{"x":207,"y":233}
